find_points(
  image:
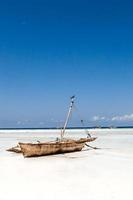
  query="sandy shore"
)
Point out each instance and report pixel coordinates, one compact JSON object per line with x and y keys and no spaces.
{"x":104,"y":174}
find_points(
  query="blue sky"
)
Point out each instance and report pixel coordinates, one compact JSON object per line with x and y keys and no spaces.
{"x":50,"y":50}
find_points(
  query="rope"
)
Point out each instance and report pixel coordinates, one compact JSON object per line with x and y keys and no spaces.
{"x":92,"y":146}
{"x":82,"y":121}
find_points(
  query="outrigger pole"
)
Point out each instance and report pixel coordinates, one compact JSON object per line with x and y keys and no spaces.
{"x":68,"y":116}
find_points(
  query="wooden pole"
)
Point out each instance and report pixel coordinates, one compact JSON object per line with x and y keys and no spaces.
{"x":68,"y":115}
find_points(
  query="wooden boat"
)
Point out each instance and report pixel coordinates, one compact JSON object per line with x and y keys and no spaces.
{"x":49,"y":148}
{"x":16,"y":149}
{"x":60,"y":146}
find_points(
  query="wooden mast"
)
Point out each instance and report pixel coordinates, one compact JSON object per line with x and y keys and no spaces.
{"x":68,"y":115}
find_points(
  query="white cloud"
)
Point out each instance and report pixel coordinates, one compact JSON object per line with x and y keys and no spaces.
{"x":19,"y":122}
{"x":41,"y":123}
{"x":99,"y":118}
{"x":23,"y":122}
{"x":123,"y":118}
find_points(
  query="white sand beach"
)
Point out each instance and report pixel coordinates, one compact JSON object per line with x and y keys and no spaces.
{"x":104,"y":174}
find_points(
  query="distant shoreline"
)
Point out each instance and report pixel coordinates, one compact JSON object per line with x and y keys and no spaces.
{"x":80,"y":128}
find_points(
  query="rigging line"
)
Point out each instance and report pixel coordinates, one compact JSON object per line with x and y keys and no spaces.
{"x":82,"y":121}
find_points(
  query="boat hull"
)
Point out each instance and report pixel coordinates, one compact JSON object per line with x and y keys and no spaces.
{"x":42,"y":149}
